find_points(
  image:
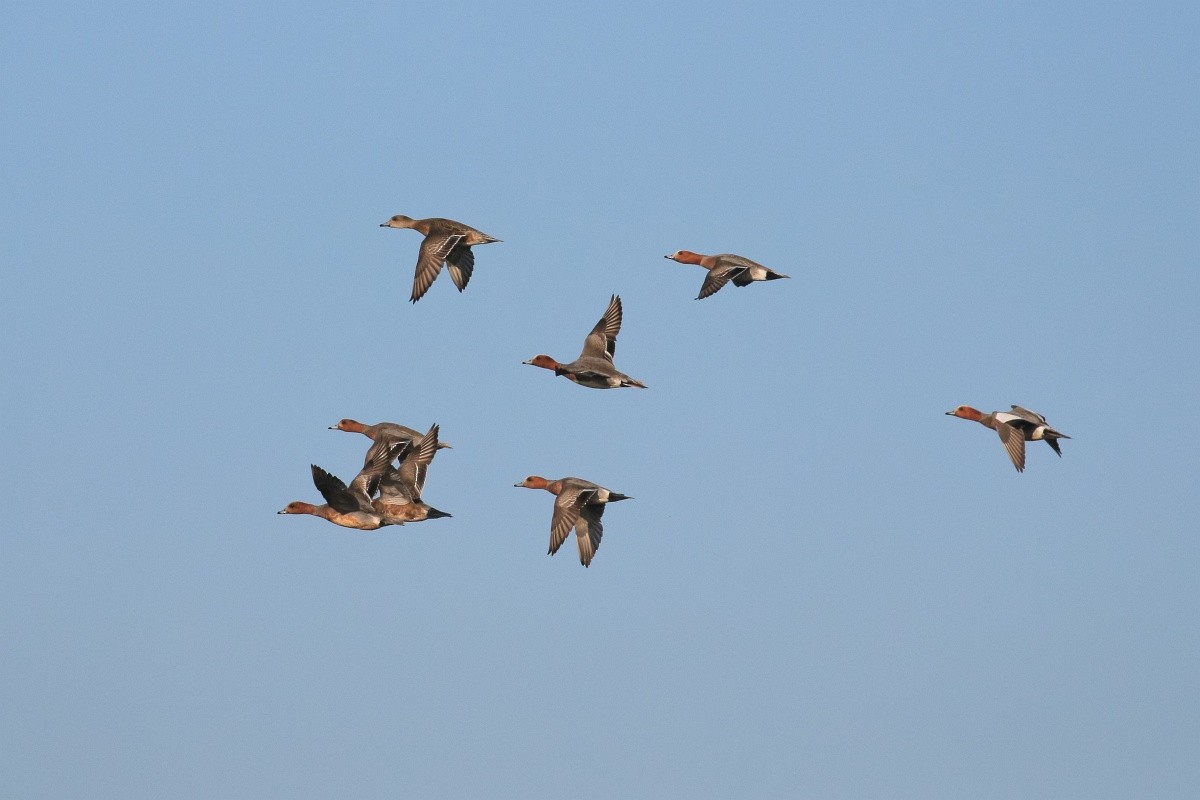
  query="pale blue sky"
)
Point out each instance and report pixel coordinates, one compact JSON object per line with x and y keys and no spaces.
{"x":824,"y":587}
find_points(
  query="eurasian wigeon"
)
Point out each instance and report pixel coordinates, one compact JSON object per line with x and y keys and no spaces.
{"x":1015,"y":428}
{"x":389,"y":429}
{"x":594,"y":367}
{"x":400,"y":489}
{"x":724,"y":268}
{"x":350,"y":506}
{"x":578,"y":504}
{"x":446,"y":242}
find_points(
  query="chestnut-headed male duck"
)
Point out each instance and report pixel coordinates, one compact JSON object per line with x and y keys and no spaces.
{"x":1015,"y":428}
{"x":389,"y":429}
{"x":350,"y":506}
{"x":724,"y":268}
{"x":594,"y":368}
{"x":578,"y":504}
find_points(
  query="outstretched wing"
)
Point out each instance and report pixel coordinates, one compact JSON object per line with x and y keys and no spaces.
{"x":409,"y":480}
{"x":602,"y":341}
{"x":433,"y":253}
{"x":716,"y":279}
{"x":588,"y":531}
{"x":567,"y":507}
{"x":336,"y":495}
{"x":742,"y":277}
{"x":376,"y":465}
{"x":460,"y":263}
{"x":1014,"y":442}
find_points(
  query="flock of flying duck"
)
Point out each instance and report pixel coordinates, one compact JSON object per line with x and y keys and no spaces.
{"x":387,"y":490}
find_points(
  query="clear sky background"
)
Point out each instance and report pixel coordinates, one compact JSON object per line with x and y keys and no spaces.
{"x":824,"y":587}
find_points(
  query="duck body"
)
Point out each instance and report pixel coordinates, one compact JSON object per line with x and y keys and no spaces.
{"x":400,"y":488}
{"x":1015,"y":427}
{"x":447,"y":242}
{"x":390,"y":429}
{"x":594,"y":368}
{"x":578,"y":505}
{"x":350,"y":506}
{"x":725,"y":268}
